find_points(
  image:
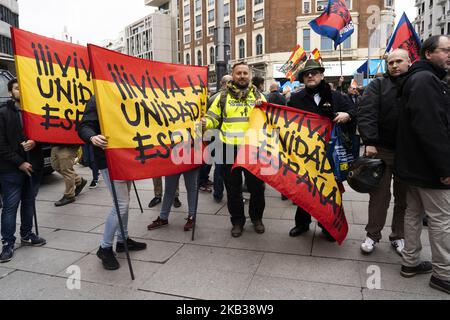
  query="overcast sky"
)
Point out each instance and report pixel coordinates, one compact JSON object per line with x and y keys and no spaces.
{"x":96,"y":20}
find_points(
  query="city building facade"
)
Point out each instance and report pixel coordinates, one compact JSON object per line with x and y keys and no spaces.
{"x":265,"y":32}
{"x":9,"y":16}
{"x":433,"y":18}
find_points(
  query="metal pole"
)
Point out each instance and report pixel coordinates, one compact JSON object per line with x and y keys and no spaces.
{"x":340,"y":58}
{"x":221,"y":67}
{"x":122,"y":231}
{"x":138,"y":199}
{"x":34,"y":197}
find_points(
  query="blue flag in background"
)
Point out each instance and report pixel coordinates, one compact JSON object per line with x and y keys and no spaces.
{"x":335,"y":22}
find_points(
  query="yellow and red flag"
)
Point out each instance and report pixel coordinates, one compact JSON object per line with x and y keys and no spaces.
{"x":149,"y":112}
{"x":315,"y":55}
{"x":55,"y":85}
{"x":286,"y":148}
{"x":296,"y":58}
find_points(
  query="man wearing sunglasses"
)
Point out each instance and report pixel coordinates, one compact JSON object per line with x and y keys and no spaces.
{"x":320,"y":99}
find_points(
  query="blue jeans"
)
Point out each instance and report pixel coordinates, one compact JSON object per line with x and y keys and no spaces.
{"x":88,"y":156}
{"x":191,"y":183}
{"x":112,"y":222}
{"x":17,"y":190}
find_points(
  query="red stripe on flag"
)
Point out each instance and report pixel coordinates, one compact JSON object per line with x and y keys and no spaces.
{"x":34,"y":130}
{"x":122,"y":165}
{"x":335,"y":223}
{"x":143,"y":70}
{"x":332,"y":20}
{"x":23,"y":46}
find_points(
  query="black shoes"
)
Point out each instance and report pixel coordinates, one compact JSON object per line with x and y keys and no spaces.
{"x":155,"y":201}
{"x":108,"y":258}
{"x":94,"y":184}
{"x":64,"y":201}
{"x":259,"y":226}
{"x":327,"y":235}
{"x":80,"y":187}
{"x":176,"y":202}
{"x":299,"y":230}
{"x":439,"y":284}
{"x":132,"y":246}
{"x":33,"y":240}
{"x":7,"y":253}
{"x":237,"y":230}
{"x":423,"y":267}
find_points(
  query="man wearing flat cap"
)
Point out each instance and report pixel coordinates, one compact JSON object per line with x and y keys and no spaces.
{"x":320,"y":99}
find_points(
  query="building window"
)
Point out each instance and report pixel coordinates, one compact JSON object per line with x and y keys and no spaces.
{"x":240,"y":5}
{"x":198,"y":21}
{"x":431,"y":3}
{"x":321,"y":5}
{"x":326,"y":43}
{"x":348,"y":4}
{"x":187,"y":38}
{"x":188,"y":58}
{"x":187,"y":25}
{"x":307,"y":39}
{"x":306,"y":7}
{"x":227,"y":24}
{"x":212,"y":56}
{"x":241,"y":20}
{"x":348,"y":43}
{"x":388,"y":3}
{"x":226,"y":9}
{"x":210,"y":3}
{"x":187,"y":10}
{"x":211,"y":31}
{"x":258,"y":2}
{"x":198,"y":5}
{"x":199,"y":58}
{"x":259,"y":45}
{"x":9,"y":17}
{"x":211,"y":15}
{"x":241,"y":49}
{"x":6,"y":45}
{"x":198,"y":34}
{"x":259,"y":15}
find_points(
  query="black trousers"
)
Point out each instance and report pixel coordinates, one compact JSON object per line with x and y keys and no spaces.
{"x":233,"y":184}
{"x":303,"y":218}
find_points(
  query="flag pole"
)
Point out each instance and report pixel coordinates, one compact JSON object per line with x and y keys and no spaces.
{"x":122,"y":231}
{"x":340,"y":58}
{"x":30,"y":178}
{"x":137,"y":195}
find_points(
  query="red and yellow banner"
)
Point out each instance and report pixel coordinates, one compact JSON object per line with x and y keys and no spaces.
{"x":149,"y":111}
{"x":285,"y":147}
{"x":55,"y":85}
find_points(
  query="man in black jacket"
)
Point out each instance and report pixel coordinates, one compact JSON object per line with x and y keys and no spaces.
{"x":318,"y":98}
{"x":89,"y":132}
{"x":275,"y":96}
{"x":377,"y":122}
{"x":423,"y":161}
{"x":20,"y":160}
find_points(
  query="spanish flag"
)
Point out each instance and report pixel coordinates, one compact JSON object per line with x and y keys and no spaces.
{"x":150,"y":112}
{"x":55,"y":85}
{"x":286,"y":148}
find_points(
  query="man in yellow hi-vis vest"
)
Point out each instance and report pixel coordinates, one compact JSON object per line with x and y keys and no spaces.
{"x":230,"y":113}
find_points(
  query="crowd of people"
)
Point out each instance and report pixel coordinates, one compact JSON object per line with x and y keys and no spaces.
{"x":402,"y":117}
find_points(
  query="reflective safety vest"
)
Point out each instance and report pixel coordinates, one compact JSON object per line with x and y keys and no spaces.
{"x":231,"y":116}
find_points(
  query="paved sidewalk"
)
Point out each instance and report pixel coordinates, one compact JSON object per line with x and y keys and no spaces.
{"x":215,"y":266}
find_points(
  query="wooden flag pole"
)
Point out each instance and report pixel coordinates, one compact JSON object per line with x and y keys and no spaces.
{"x":137,"y":195}
{"x":122,"y":231}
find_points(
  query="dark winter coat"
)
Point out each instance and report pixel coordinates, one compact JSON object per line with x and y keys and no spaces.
{"x":423,"y":139}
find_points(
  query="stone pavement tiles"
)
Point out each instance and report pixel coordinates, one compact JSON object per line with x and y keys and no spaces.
{"x":271,"y":266}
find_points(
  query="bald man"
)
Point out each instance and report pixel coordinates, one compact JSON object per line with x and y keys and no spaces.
{"x":275,"y":96}
{"x":378,"y":116}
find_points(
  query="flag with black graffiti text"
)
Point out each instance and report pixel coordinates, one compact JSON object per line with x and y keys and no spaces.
{"x":150,"y":113}
{"x":55,"y":84}
{"x":286,"y":148}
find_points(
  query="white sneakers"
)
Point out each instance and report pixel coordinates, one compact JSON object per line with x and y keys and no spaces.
{"x":398,"y":245}
{"x":368,"y":246}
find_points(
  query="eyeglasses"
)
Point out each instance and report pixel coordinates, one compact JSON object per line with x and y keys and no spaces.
{"x":312,"y":73}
